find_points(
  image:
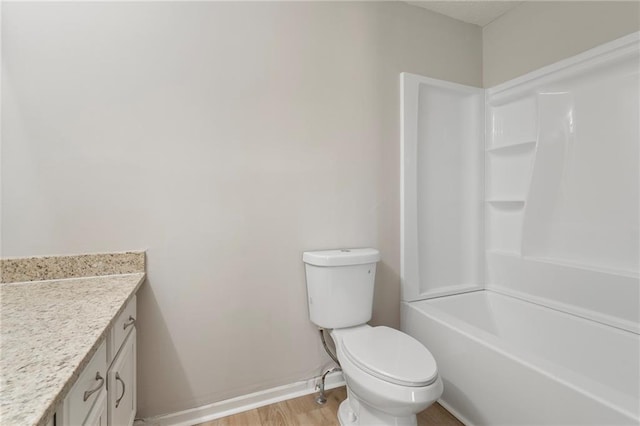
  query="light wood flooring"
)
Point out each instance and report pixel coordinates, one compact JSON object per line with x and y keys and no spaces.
{"x":304,"y":411}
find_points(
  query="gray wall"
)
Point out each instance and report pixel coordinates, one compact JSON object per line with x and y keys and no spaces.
{"x":224,"y":138}
{"x":535,"y":34}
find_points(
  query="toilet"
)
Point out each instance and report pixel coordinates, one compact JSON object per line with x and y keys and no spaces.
{"x":390,"y":376}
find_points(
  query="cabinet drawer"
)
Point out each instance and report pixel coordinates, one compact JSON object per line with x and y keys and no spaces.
{"x":121,"y":328}
{"x":90,"y":385}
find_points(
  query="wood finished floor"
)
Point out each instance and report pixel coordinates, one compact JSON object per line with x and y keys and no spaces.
{"x":304,"y":411}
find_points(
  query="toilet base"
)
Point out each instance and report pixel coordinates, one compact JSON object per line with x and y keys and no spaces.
{"x":345,"y":414}
{"x":367,"y":416}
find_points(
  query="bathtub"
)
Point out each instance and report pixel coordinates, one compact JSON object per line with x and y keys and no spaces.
{"x":505,"y":361}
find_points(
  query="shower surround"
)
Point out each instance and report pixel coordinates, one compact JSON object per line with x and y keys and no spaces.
{"x":520,"y":239}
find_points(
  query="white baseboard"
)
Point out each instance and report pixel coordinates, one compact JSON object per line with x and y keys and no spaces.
{"x":455,"y":413}
{"x":242,"y":403}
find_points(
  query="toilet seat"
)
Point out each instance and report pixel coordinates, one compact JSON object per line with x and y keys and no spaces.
{"x":390,"y":355}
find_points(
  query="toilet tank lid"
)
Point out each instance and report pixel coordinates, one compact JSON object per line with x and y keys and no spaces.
{"x":341,"y":257}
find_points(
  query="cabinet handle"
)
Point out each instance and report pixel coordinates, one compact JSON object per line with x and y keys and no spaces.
{"x":123,"y":389}
{"x":88,"y":393}
{"x":131,"y":321}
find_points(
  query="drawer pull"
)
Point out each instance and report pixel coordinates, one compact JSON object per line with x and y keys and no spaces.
{"x":88,"y":393}
{"x":131,"y":321}
{"x":123,"y":389}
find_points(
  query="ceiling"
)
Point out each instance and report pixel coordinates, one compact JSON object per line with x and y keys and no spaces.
{"x":473,"y":12}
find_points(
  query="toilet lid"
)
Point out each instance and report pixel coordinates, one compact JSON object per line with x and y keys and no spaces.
{"x":391,"y":355}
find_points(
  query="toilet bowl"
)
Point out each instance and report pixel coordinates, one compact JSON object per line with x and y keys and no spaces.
{"x":390,"y":376}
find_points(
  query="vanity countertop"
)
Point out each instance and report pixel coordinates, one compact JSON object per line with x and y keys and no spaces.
{"x":49,"y":330}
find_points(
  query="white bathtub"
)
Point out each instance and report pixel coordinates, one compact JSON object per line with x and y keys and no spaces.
{"x":505,"y":361}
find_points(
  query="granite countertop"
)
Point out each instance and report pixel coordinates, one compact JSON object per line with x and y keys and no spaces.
{"x":49,"y":330}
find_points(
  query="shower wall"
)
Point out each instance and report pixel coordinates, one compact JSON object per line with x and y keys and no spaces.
{"x":442,"y":203}
{"x":562,"y":185}
{"x":555,"y":217}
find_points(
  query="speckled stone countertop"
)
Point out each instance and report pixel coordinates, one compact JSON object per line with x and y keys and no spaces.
{"x":49,"y":330}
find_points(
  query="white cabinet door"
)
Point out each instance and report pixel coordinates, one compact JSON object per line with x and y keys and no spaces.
{"x":85,"y":392}
{"x":121,"y":385}
{"x":98,"y":414}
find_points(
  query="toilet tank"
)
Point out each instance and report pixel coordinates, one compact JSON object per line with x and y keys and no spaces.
{"x":340,"y":286}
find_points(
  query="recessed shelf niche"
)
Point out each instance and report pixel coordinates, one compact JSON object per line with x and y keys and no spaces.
{"x":512,"y":123}
{"x":515,"y":148}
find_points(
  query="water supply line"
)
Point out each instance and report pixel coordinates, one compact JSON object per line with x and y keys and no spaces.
{"x":321,"y":399}
{"x":326,"y":348}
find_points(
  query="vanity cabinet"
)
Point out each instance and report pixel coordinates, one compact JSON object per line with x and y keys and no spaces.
{"x":105,"y":392}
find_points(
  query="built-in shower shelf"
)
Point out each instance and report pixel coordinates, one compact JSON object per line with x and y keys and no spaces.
{"x":565,"y":263}
{"x":507,"y":204}
{"x":584,"y":266}
{"x":508,"y":253}
{"x":515,"y":148}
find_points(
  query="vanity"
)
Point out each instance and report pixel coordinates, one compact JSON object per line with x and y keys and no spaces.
{"x":68,"y":345}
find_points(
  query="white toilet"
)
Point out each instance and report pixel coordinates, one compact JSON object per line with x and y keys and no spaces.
{"x":390,"y":375}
